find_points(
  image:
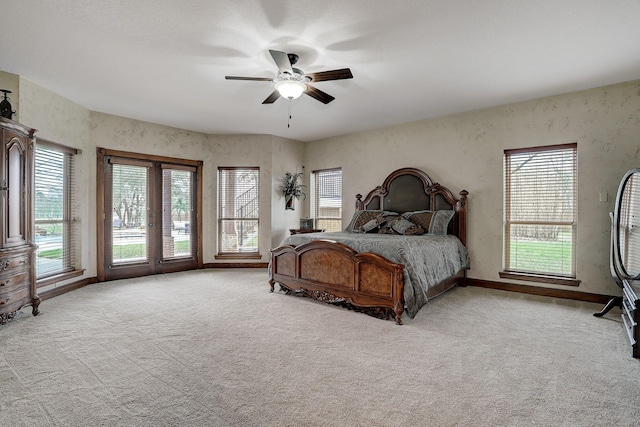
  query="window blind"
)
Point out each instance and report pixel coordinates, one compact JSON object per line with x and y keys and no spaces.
{"x":177,"y":212}
{"x":238,"y":209}
{"x":541,"y":210}
{"x":55,"y":210}
{"x":129,"y":190}
{"x":326,"y":201}
{"x":629,"y":242}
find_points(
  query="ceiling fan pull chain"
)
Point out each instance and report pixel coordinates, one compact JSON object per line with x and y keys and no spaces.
{"x":289,"y":122}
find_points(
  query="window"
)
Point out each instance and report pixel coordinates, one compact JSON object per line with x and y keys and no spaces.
{"x":629,"y":224}
{"x":238,"y":211}
{"x":540,"y":186}
{"x":326,"y":201}
{"x":55,"y":210}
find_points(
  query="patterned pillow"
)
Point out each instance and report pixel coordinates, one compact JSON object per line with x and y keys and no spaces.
{"x":361,"y":218}
{"x":406,"y":227}
{"x":396,"y":224}
{"x":436,"y":222}
{"x":421,"y":218}
{"x":386,"y":226}
{"x":386,"y":229}
{"x":371,"y":225}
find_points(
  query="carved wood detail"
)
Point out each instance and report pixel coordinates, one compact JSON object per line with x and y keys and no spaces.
{"x":17,"y":268}
{"x":366,"y":282}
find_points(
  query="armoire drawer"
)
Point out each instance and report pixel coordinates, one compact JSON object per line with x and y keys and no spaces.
{"x":14,"y":281}
{"x":7,"y":264}
{"x":14,"y":297}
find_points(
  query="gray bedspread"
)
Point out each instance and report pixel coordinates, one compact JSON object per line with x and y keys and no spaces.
{"x":428,"y":258}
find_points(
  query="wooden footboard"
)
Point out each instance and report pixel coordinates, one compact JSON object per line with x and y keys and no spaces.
{"x":333,"y":272}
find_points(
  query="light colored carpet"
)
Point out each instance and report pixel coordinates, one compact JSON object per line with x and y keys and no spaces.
{"x":215,"y":348}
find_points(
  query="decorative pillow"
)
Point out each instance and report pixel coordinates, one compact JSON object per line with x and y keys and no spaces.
{"x":406,"y":227}
{"x":396,"y":224}
{"x":386,"y":229}
{"x":436,"y":222}
{"x":370,"y":226}
{"x":360,"y":218}
{"x":386,"y":225}
{"x":440,"y":222}
{"x":421,"y":218}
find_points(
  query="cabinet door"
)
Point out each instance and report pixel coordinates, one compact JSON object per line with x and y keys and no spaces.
{"x":15,"y":186}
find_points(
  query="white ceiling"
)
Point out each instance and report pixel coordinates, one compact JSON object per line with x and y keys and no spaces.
{"x":164,"y":61}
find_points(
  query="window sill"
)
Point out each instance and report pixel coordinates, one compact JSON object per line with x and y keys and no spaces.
{"x":540,"y":278}
{"x":239,"y":256}
{"x":59,"y":277}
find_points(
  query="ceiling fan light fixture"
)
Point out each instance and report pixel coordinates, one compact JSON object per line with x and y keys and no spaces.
{"x":290,"y":89}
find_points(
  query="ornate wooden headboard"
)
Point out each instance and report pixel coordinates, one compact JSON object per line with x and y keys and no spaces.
{"x":410,"y":189}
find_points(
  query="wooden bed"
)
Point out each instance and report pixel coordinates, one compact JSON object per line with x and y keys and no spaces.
{"x":332,"y":272}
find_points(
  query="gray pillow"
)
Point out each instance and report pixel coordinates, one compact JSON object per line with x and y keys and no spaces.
{"x":367,"y":227}
{"x":435,"y":222}
{"x":421,"y":218}
{"x":404,"y":226}
{"x":440,"y":222}
{"x":360,"y":218}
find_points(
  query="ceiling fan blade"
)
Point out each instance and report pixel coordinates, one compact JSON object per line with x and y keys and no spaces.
{"x":322,"y":76}
{"x":259,"y":79}
{"x":321,"y":96}
{"x":282,"y":61}
{"x":272,"y":98}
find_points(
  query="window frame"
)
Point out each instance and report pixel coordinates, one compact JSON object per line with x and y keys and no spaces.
{"x":316,"y":175}
{"x":70,"y":236}
{"x":244,"y":254}
{"x":542,"y":277}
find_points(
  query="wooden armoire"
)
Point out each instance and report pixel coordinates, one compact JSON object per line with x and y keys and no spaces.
{"x":17,"y":262}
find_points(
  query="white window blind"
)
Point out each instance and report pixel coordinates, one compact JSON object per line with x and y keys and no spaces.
{"x":129,"y":189}
{"x":178,"y":223}
{"x":55,"y":209}
{"x":630,"y":225}
{"x":541,"y":210}
{"x":326,"y":200}
{"x":238,"y":209}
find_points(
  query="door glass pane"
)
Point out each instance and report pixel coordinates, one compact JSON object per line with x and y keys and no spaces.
{"x":129,"y":216}
{"x":176,"y":213}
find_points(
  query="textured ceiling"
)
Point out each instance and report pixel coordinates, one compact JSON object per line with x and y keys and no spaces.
{"x":164,"y":61}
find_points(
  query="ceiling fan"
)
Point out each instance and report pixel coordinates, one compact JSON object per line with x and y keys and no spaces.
{"x":292,"y":82}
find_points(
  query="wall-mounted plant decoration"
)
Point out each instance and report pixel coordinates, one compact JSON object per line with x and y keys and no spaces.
{"x":292,"y":188}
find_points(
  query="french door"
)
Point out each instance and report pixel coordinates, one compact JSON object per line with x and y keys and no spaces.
{"x":148,"y":215}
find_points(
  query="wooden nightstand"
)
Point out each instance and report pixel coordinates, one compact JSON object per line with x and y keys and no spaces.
{"x":303,"y":231}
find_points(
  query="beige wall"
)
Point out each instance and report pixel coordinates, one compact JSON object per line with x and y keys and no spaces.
{"x":465,"y":151}
{"x":462,"y":151}
{"x":287,"y":157}
{"x":60,"y":120}
{"x":238,"y":150}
